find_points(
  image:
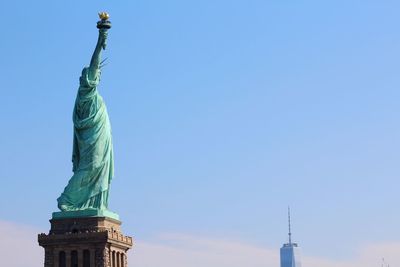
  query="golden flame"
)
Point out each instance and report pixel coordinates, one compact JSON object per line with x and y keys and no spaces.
{"x":104,"y":16}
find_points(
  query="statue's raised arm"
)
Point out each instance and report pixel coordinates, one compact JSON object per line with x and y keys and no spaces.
{"x":103,"y":25}
{"x":96,"y":57}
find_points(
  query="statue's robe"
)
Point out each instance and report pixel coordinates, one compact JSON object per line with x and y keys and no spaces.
{"x":92,"y":156}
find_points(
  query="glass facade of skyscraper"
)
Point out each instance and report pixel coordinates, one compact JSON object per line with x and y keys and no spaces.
{"x":290,"y":255}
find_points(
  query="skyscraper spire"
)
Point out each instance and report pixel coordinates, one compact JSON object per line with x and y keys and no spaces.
{"x":290,"y":231}
{"x":290,"y":252}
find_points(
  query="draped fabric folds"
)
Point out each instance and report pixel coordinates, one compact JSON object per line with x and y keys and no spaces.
{"x":92,"y":156}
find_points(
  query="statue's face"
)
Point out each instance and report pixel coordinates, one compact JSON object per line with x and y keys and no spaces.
{"x":98,"y":73}
{"x":85,"y":73}
{"x":85,"y":79}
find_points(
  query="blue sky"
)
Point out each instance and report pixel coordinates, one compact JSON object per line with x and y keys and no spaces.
{"x":223,"y":114}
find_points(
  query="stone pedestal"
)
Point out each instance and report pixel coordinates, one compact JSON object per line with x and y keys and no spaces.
{"x":85,"y":242}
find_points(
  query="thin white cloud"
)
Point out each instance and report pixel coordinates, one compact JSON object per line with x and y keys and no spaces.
{"x":19,"y":248}
{"x":190,"y":251}
{"x":368,"y":256}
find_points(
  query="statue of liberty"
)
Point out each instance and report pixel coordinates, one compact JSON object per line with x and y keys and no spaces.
{"x":92,"y":156}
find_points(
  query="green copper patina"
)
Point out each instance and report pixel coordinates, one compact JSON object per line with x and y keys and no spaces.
{"x":93,"y":165}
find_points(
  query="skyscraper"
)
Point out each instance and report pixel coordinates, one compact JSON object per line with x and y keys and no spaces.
{"x":290,"y":252}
